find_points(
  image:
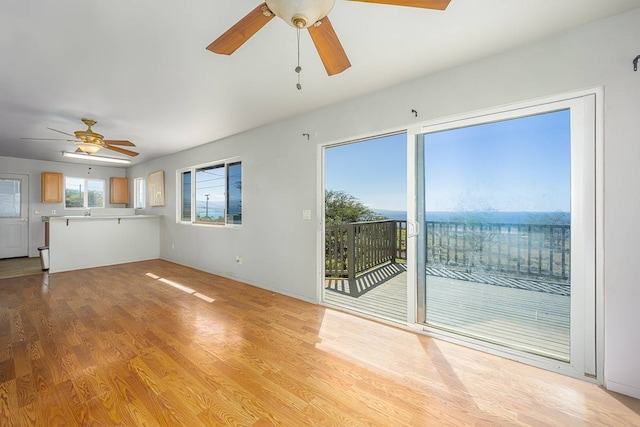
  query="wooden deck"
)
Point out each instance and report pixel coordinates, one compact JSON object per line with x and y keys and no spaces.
{"x":382,"y":292}
{"x":532,"y":321}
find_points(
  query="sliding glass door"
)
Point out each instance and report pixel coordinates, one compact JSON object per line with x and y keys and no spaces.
{"x":506,"y":220}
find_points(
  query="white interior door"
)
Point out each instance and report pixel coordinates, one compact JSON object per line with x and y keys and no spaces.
{"x":14,"y":215}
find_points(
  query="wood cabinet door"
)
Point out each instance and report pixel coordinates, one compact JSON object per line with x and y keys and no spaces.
{"x":119,"y":191}
{"x":51,"y":187}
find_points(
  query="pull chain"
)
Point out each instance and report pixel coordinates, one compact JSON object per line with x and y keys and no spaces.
{"x":298,"y":68}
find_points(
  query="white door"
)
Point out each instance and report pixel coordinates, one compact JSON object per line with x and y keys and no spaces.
{"x":14,"y":215}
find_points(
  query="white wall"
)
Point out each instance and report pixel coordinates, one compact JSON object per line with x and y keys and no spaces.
{"x":33,"y":168}
{"x":280,"y":249}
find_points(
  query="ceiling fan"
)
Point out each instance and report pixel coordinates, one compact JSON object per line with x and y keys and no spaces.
{"x":310,"y":14}
{"x":89,"y":142}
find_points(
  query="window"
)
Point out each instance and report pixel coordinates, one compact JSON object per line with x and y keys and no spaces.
{"x":186,"y":196}
{"x":140,"y":200}
{"x":10,"y":198}
{"x":81,"y":193}
{"x":211,"y":194}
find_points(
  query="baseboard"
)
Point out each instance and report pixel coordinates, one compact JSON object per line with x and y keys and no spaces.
{"x":623,"y":389}
{"x":247,"y":282}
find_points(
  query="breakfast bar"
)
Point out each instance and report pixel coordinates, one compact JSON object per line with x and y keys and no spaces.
{"x":100,"y":239}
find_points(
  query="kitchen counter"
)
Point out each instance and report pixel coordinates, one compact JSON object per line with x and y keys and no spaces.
{"x":77,"y":242}
{"x":93,"y":217}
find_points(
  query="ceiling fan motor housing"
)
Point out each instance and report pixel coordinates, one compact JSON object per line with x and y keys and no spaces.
{"x":301,"y":13}
{"x":89,"y":136}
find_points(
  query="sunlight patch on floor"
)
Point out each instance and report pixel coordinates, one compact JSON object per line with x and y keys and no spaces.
{"x":180,"y":287}
{"x":374,"y":346}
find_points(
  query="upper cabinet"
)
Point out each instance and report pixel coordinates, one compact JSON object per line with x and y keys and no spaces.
{"x":52,"y":187}
{"x":119,"y":191}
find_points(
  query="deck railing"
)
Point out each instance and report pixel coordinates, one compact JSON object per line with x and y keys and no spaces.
{"x":353,"y":248}
{"x":538,"y":250}
{"x":534,"y":250}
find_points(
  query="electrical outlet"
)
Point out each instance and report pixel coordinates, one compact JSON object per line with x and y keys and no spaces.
{"x":37,"y":212}
{"x":306,"y":214}
{"x":238,"y":259}
{"x":53,"y":211}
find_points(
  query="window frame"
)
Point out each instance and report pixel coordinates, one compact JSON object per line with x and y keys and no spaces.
{"x":85,"y":201}
{"x":190,"y":217}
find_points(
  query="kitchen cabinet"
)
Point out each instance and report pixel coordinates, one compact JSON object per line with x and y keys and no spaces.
{"x":51,"y":187}
{"x":119,"y":191}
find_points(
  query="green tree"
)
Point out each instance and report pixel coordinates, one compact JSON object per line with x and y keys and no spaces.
{"x":73,"y":199}
{"x":341,"y":208}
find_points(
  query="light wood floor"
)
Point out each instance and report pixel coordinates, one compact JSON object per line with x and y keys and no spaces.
{"x":16,"y":267}
{"x":139,"y":344}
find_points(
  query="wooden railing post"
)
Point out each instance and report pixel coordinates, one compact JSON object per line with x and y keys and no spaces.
{"x":351,"y":251}
{"x":394,"y":240}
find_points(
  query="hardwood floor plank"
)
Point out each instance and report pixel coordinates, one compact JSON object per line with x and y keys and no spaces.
{"x":28,"y":415}
{"x":53,"y":360}
{"x":7,"y":320}
{"x":5,"y":347}
{"x":8,"y":403}
{"x":83,"y":387}
{"x":52,"y":410}
{"x":22,"y":364}
{"x":7,"y":370}
{"x":25,"y":390}
{"x":145,"y":375}
{"x":41,"y":375}
{"x":142,"y":393}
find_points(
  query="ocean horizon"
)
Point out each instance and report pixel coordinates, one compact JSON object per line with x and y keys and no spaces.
{"x":495,"y":217}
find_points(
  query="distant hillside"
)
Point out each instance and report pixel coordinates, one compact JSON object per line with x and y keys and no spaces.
{"x":398,"y":215}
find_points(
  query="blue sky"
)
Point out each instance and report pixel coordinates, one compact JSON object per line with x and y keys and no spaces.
{"x":515,"y":165}
{"x":374,"y":171}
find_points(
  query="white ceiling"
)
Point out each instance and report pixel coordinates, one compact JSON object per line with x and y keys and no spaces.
{"x":141,"y":70}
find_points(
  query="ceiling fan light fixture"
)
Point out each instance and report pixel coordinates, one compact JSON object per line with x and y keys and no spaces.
{"x":301,"y":13}
{"x":87,"y":147}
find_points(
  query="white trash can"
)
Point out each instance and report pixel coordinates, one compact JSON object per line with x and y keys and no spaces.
{"x":44,"y":257}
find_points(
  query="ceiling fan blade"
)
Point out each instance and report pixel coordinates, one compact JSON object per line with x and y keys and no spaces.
{"x":65,"y":133}
{"x":242,"y":31}
{"x":119,"y":142}
{"x":52,"y":139}
{"x":121,"y":150}
{"x":329,"y":48}
{"x":425,"y":4}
